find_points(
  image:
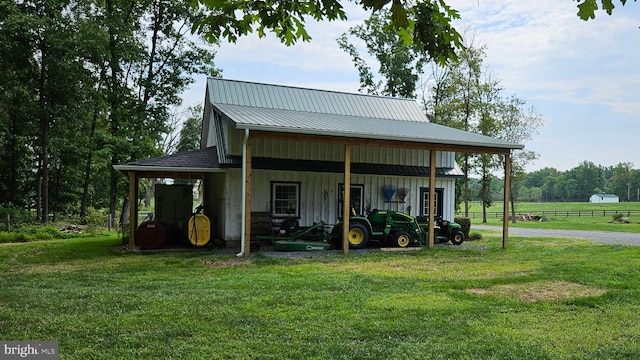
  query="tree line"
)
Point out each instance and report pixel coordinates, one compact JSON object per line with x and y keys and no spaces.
{"x":85,"y":85}
{"x":574,"y":185}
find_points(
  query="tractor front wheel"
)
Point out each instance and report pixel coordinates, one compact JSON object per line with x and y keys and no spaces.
{"x":403,"y":239}
{"x":457,"y":238}
{"x":358,"y":236}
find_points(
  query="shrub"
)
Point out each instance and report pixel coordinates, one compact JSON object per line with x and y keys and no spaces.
{"x":465,"y":224}
{"x":474,"y":235}
{"x":9,"y":237}
{"x":617,"y":217}
{"x":96,"y":217}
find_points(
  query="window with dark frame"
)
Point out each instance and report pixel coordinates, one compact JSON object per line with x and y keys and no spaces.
{"x":424,"y":206}
{"x":357,"y":198}
{"x":285,"y":199}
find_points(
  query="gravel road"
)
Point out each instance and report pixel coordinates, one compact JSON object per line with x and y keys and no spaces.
{"x":600,"y":237}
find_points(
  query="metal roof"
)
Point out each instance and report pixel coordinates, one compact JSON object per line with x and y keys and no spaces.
{"x":267,"y":96}
{"x":285,"y":109}
{"x":298,"y":122}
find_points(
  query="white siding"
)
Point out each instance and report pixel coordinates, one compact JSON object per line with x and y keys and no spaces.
{"x":335,"y":152}
{"x":319,"y":195}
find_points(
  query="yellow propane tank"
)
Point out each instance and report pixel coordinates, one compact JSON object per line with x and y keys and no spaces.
{"x":199,"y":229}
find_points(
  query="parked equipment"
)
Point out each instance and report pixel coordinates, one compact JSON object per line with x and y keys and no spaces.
{"x":394,"y":228}
{"x":199,"y":228}
{"x":292,"y":237}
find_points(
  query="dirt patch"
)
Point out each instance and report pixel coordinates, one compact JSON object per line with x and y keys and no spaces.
{"x":227,"y":262}
{"x":541,"y":291}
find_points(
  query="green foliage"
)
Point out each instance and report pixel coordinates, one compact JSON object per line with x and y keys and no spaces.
{"x":109,"y":71}
{"x":587,"y":8}
{"x":400,"y":64}
{"x":617,"y":216}
{"x":191,"y":131}
{"x":426,"y":24}
{"x":465,"y":224}
{"x":579,"y":183}
{"x":32,"y":233}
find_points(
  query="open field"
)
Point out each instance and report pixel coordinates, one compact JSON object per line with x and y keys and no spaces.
{"x":539,"y":299}
{"x":567,"y":216}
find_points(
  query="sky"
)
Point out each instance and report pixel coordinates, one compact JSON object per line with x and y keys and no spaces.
{"x":582,"y":77}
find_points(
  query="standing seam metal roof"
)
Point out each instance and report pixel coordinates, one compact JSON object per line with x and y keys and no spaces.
{"x":287,"y":121}
{"x":232,"y":92}
{"x":279,"y":108}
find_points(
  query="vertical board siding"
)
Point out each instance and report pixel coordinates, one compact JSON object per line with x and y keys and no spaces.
{"x":287,"y":149}
{"x":318,"y":196}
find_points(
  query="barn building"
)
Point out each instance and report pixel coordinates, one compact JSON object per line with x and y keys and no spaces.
{"x":288,"y":152}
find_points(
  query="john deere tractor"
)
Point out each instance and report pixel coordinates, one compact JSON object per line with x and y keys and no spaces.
{"x":393,"y":228}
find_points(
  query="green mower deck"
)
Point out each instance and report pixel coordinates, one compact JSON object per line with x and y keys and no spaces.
{"x":284,"y":245}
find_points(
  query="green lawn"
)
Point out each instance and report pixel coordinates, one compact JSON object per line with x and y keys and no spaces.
{"x":539,"y":299}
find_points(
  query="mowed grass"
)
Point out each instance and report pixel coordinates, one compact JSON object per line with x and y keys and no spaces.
{"x":539,"y":299}
{"x":559,"y":220}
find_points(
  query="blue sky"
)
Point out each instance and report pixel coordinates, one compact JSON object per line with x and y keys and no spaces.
{"x":582,"y":77}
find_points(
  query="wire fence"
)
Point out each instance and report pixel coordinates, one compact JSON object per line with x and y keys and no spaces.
{"x":558,"y":213}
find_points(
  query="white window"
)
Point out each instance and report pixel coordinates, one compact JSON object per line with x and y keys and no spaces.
{"x":285,"y":199}
{"x":425,"y":202}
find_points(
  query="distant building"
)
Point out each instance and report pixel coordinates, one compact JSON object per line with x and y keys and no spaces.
{"x":604,"y":198}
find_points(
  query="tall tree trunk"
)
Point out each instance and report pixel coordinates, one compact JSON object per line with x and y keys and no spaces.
{"x":87,"y":167}
{"x":114,"y":105}
{"x":44,"y":136}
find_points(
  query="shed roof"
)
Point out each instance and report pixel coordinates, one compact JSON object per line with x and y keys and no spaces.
{"x":606,"y":195}
{"x":202,"y":160}
{"x":293,"y":110}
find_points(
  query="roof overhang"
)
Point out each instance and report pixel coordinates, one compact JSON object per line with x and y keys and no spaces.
{"x":184,"y":165}
{"x":166,"y":172}
{"x":346,"y":129}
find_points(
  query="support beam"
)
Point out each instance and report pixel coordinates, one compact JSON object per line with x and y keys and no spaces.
{"x":133,"y":208}
{"x":247,"y":201}
{"x":432,"y":197}
{"x":507,"y":197}
{"x":346,"y":199}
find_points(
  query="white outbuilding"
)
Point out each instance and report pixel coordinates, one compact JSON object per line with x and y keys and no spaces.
{"x":604,"y":198}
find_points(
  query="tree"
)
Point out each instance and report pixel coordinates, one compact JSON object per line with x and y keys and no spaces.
{"x":426,"y":24}
{"x":110,"y":71}
{"x":622,"y":180}
{"x":399,"y":63}
{"x":518,"y":126}
{"x":191,"y":132}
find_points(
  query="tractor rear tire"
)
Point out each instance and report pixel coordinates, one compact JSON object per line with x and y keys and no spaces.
{"x":402,"y":239}
{"x":358,"y":236}
{"x":457,"y":238}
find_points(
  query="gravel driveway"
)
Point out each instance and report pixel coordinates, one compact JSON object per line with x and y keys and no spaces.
{"x":600,"y":237}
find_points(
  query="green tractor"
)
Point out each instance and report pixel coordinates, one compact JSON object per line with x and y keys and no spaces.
{"x":394,"y":228}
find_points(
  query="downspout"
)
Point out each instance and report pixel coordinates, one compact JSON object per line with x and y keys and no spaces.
{"x":244,"y":192}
